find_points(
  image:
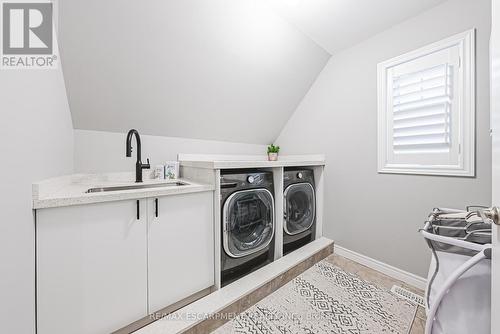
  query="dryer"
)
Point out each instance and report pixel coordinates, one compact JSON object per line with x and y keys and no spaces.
{"x":248,"y":226}
{"x":299,"y":209}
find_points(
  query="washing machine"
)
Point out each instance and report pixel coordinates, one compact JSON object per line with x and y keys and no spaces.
{"x":299,"y":209}
{"x":248,"y":226}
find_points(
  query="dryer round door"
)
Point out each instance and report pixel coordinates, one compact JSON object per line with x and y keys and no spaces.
{"x":248,"y":218}
{"x":299,"y":207}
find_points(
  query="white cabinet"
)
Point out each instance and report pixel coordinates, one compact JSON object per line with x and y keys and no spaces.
{"x":91,"y":267}
{"x":180,"y":247}
{"x":98,"y":265}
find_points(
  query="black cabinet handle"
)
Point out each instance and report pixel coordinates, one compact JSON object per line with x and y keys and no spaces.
{"x":156,"y":207}
{"x":138,"y":214}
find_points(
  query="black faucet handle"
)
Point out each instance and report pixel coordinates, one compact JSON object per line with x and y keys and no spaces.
{"x":146,"y":165}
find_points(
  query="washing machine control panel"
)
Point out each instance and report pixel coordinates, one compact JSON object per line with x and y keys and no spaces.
{"x":250,"y":180}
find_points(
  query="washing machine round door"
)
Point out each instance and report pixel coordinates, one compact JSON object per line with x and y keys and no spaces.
{"x":299,"y":207}
{"x":248,"y":218}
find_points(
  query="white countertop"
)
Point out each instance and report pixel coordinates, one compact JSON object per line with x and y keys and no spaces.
{"x":248,"y":161}
{"x":71,"y":189}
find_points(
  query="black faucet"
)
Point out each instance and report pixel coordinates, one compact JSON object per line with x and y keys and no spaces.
{"x":139,"y":166}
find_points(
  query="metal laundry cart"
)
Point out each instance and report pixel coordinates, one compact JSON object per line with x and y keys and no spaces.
{"x":458,"y":293}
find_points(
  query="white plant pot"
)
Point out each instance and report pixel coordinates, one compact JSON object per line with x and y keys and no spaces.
{"x":272,"y":156}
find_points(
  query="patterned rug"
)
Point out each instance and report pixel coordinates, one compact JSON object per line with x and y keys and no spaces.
{"x":326,"y":299}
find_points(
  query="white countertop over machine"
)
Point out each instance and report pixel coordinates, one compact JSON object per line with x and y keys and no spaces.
{"x":211,"y":161}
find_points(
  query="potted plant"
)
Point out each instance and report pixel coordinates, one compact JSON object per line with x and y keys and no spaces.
{"x":272,"y":152}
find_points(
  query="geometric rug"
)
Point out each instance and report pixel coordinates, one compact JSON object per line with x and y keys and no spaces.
{"x":326,"y":299}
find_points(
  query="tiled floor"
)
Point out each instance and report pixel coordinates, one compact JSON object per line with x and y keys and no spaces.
{"x":418,"y":326}
{"x":365,"y":273}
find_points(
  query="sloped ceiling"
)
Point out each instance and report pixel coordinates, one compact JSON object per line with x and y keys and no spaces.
{"x":339,"y":24}
{"x":232,"y":70}
{"x":228,"y":70}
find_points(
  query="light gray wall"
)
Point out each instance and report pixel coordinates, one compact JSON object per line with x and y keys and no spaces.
{"x":378,"y":214}
{"x":100,"y":152}
{"x":340,"y":24}
{"x":229,"y":70}
{"x":37,"y":143}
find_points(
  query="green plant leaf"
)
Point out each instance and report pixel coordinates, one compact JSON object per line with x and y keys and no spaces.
{"x":273,"y":149}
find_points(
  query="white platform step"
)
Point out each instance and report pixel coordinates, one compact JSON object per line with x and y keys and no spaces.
{"x":196,"y":312}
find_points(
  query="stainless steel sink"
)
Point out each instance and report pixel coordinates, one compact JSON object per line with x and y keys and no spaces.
{"x":135,"y":186}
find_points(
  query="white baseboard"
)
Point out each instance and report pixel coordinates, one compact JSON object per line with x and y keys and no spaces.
{"x":384,"y":268}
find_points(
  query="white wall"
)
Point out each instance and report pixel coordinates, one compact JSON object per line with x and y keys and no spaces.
{"x":378,"y":214}
{"x":97,"y":151}
{"x":37,"y":143}
{"x":340,"y":24}
{"x":217,"y":69}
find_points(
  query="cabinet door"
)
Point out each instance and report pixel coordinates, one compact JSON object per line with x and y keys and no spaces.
{"x":91,"y":267}
{"x":181,"y":248}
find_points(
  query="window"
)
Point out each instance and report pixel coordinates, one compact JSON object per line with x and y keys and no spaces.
{"x":426,"y":109}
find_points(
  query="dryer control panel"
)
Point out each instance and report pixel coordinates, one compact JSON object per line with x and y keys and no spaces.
{"x":247,"y":180}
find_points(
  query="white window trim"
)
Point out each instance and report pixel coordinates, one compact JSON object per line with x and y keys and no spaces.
{"x":466,"y":165}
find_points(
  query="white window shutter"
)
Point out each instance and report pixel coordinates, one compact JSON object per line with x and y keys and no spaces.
{"x":426,"y":110}
{"x":421,"y":110}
